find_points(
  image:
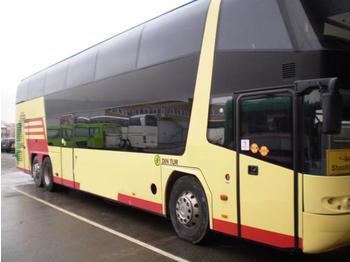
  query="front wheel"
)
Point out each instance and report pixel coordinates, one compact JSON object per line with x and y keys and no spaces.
{"x":47,"y":175}
{"x":188,"y":209}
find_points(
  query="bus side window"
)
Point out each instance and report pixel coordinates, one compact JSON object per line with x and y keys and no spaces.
{"x":220,"y":122}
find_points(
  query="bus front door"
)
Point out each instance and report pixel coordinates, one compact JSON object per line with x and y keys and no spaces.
{"x":265,"y":167}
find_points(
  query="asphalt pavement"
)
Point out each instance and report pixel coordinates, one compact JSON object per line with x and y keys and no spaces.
{"x":69,"y":225}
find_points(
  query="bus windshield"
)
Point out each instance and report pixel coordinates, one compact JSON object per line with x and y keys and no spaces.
{"x":331,"y":21}
{"x":317,"y":144}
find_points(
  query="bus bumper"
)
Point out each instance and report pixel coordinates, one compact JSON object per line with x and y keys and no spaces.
{"x":325,"y":232}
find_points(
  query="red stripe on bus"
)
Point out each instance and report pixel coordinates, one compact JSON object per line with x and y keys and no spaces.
{"x":267,"y":237}
{"x":140,"y":203}
{"x":256,"y":234}
{"x":66,"y":182}
{"x":34,"y":126}
{"x":225,"y":227}
{"x":57,"y":180}
{"x":33,"y":119}
{"x":27,"y":171}
{"x":35,"y":133}
{"x":37,"y":145}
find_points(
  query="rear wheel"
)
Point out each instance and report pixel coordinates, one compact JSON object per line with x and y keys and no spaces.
{"x":36,"y":172}
{"x":46,"y":174}
{"x":188,"y":209}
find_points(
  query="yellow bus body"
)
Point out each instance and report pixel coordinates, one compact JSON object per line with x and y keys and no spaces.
{"x":266,"y":201}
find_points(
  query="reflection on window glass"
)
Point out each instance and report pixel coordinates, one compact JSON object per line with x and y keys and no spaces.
{"x":93,"y":131}
{"x":315,"y":143}
{"x":67,"y":132}
{"x":220,"y":126}
{"x":331,"y":21}
{"x":82,"y":131}
{"x":150,"y":120}
{"x":53,"y":135}
{"x":135,"y":121}
{"x":81,"y":135}
{"x":266,"y":123}
{"x":162,"y":130}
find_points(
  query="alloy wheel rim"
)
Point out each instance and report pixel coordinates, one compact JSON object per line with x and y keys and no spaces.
{"x":36,"y":171}
{"x":46,"y":177}
{"x":187,"y":209}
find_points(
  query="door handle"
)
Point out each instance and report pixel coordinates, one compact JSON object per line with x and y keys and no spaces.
{"x":253,"y":170}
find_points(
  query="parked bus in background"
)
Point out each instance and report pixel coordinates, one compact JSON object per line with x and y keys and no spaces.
{"x":238,"y":118}
{"x":143,"y":131}
{"x":85,"y":135}
{"x":121,"y":122}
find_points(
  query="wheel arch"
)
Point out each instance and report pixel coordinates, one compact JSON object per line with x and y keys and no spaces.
{"x":171,"y":174}
{"x":40,"y":157}
{"x":32,"y":156}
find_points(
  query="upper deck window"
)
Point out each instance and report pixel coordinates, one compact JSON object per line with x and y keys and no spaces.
{"x":252,"y":25}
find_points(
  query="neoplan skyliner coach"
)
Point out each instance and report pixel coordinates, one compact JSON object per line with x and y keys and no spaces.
{"x":249,"y":101}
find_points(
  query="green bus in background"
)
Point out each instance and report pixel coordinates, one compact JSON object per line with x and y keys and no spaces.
{"x":86,"y":135}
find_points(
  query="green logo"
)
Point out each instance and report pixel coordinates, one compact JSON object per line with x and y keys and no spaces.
{"x":157,"y":160}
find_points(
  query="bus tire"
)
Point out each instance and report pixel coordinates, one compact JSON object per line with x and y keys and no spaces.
{"x":46,"y":174}
{"x":188,"y":208}
{"x":36,"y":172}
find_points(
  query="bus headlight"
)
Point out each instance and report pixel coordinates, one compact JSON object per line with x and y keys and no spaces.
{"x":337,"y":204}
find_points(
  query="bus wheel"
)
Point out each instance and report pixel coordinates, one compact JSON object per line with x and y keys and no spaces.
{"x":188,"y":208}
{"x":36,"y":173}
{"x":46,"y":174}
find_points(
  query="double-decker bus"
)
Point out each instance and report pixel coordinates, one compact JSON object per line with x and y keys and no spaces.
{"x":254,"y":98}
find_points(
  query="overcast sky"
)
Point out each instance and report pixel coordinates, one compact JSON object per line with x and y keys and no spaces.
{"x":38,"y":33}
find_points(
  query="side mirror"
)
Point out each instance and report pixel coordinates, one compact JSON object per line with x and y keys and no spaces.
{"x":332,"y":109}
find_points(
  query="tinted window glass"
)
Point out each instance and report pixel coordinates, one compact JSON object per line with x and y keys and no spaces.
{"x":173,"y":35}
{"x":263,"y":26}
{"x":266,"y":129}
{"x":21,"y":94}
{"x":316,"y":144}
{"x":56,"y":78}
{"x":159,"y":95}
{"x":330,"y":20}
{"x":93,"y":131}
{"x":53,"y":133}
{"x":67,"y":133}
{"x":151,"y":120}
{"x":81,"y":136}
{"x":135,"y":121}
{"x":163,"y":132}
{"x":36,"y":85}
{"x":123,"y":46}
{"x":81,"y":68}
{"x":220,"y":125}
{"x":81,"y":131}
